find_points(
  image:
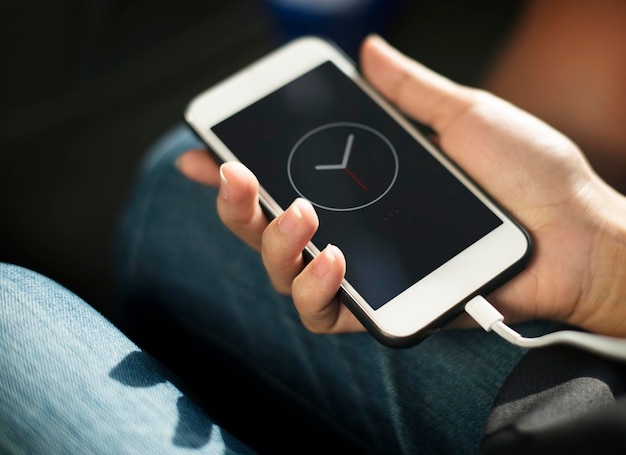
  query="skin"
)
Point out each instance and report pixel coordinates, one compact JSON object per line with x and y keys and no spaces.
{"x":563,"y":61}
{"x":577,"y":222}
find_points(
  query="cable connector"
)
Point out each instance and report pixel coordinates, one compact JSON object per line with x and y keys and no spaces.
{"x":483,"y":312}
{"x":491,"y":319}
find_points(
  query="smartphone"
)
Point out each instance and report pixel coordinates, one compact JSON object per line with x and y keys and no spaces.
{"x":419,"y":237}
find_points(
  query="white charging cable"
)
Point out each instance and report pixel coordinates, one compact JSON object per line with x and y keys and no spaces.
{"x":491,"y":319}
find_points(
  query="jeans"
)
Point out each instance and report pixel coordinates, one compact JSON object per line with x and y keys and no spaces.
{"x":211,"y":359}
{"x":189,"y":289}
{"x":72,"y":383}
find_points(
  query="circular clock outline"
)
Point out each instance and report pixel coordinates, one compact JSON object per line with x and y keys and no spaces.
{"x":343,"y":124}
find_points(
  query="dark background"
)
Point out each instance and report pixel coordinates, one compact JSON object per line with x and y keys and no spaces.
{"x":87,"y":86}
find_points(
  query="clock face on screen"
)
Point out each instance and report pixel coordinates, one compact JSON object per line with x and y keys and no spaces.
{"x":343,"y":166}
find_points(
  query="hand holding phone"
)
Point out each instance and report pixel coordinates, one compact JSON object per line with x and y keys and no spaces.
{"x":493,"y":143}
{"x":419,"y":237}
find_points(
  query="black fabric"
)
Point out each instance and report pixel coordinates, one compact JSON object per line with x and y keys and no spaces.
{"x":559,"y":400}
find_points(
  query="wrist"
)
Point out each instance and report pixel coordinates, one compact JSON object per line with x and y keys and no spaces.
{"x":603,"y":301}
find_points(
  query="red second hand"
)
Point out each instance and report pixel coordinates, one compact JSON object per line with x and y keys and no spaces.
{"x":351,"y":174}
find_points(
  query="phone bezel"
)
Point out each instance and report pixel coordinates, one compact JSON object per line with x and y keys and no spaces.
{"x":400,"y":322}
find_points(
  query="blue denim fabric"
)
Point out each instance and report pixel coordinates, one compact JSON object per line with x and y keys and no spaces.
{"x":177,"y":264}
{"x":71,"y":383}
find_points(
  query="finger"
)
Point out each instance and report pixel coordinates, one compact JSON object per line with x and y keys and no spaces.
{"x":421,"y":93}
{"x":238,"y":203}
{"x":284,"y":240}
{"x":198,"y":165}
{"x":314,"y":293}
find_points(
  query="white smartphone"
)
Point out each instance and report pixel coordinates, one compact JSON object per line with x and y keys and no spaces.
{"x":419,"y":237}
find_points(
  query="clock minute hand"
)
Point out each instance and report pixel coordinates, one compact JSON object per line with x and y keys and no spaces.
{"x":344,"y":161}
{"x":346,"y":152}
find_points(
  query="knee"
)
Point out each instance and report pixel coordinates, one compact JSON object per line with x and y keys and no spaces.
{"x":18,"y":283}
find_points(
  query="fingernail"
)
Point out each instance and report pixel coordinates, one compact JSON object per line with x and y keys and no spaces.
{"x":290,"y":219}
{"x":375,"y":36}
{"x":379,"y":40}
{"x":224,"y":190}
{"x":324,"y":261}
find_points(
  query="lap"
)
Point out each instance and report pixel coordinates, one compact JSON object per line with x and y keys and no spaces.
{"x":181,"y":272}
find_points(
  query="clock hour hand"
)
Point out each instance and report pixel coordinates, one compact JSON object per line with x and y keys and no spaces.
{"x":344,"y":161}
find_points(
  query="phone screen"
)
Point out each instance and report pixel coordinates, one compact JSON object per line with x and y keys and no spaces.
{"x":394,"y":210}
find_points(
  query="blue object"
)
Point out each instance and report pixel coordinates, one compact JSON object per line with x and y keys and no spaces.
{"x":346,"y":22}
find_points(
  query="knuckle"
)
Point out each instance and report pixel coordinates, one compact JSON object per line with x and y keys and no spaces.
{"x":281,"y":285}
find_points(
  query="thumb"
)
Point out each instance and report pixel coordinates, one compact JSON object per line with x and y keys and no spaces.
{"x":418,"y":91}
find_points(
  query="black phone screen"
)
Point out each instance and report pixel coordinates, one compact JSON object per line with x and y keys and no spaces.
{"x":394,"y":210}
